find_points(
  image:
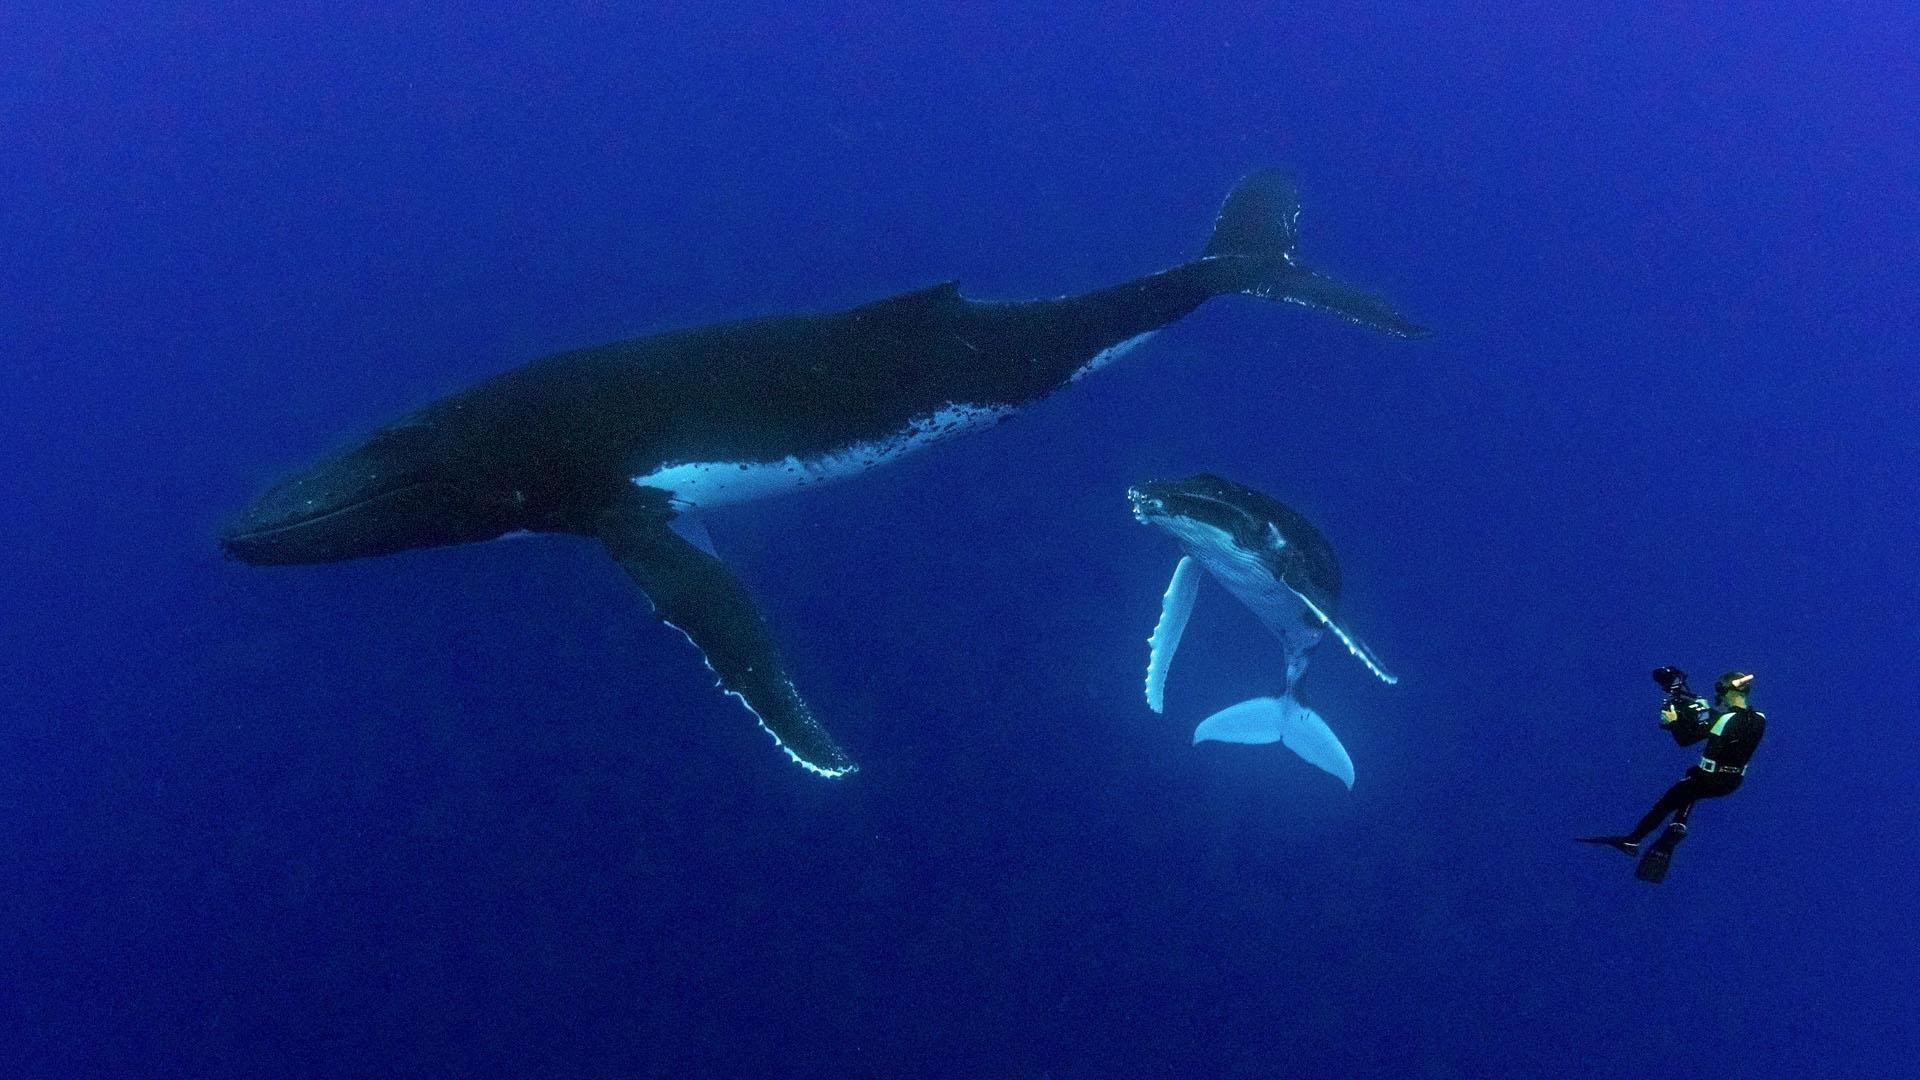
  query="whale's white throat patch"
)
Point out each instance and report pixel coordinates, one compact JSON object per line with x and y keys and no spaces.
{"x":1250,"y":579}
{"x":697,"y":485}
{"x":1245,"y":574}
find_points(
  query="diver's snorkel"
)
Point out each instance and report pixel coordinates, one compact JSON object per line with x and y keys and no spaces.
{"x":1733,"y":684}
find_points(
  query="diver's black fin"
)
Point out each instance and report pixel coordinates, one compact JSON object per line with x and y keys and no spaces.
{"x":1618,"y":843}
{"x":1653,"y":865}
{"x":1258,"y":227}
{"x":695,"y":594}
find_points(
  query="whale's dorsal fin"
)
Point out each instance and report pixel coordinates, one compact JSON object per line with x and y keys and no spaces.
{"x":931,"y":299}
{"x":1354,"y":645}
{"x":694,"y":593}
{"x":1175,"y":606}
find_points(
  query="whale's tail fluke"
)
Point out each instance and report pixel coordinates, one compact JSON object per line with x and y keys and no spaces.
{"x":1260,"y":218}
{"x":1283,"y":720}
{"x":1258,"y":227}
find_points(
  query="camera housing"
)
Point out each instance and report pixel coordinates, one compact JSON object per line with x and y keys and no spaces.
{"x":1672,"y":680}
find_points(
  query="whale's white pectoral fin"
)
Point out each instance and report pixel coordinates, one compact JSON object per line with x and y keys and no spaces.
{"x":1282,"y":720}
{"x":1175,"y":606}
{"x":1354,"y":645}
{"x":1365,"y":655}
{"x":695,"y":594}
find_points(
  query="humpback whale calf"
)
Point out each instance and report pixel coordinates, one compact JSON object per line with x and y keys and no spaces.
{"x":1276,"y":563}
{"x":625,"y":442}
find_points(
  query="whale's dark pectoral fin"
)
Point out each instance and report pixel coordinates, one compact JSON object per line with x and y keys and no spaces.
{"x":693,"y":592}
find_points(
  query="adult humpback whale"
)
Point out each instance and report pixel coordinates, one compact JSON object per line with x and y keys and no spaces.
{"x":620,"y":442}
{"x":1276,"y":563}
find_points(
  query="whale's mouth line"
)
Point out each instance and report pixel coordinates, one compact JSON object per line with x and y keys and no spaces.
{"x":270,"y":531}
{"x":1177,"y":506}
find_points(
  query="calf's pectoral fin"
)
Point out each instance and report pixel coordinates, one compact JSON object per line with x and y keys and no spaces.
{"x":693,"y":592}
{"x":1175,"y":606}
{"x":1354,"y":645}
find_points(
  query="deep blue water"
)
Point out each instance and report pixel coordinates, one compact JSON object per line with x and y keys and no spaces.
{"x":470,"y":812}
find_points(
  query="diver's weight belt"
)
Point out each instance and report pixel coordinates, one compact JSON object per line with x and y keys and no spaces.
{"x":1708,"y":765}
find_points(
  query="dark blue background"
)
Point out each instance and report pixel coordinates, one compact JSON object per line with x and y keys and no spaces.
{"x":470,"y":812}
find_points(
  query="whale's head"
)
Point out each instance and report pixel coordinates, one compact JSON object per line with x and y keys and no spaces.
{"x":1215,"y":517}
{"x":407,"y":486}
{"x":1203,"y":509}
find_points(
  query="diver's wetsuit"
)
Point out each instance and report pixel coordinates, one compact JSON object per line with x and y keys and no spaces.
{"x":1731,"y":734}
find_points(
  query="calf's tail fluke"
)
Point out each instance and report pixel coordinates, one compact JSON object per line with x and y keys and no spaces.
{"x":1283,"y":720}
{"x":1258,"y":229}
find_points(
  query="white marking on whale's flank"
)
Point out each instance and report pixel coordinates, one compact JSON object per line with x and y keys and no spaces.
{"x":690,"y":528}
{"x":696,"y":485}
{"x":1109,"y":355}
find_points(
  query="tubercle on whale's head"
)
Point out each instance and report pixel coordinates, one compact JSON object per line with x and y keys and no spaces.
{"x":1145,"y":503}
{"x":406,"y":486}
{"x":1197,"y":501}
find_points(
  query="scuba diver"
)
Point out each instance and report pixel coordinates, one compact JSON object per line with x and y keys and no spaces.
{"x":1732,"y":729}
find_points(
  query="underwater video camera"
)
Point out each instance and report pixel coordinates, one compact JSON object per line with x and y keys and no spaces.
{"x":1673,"y":681}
